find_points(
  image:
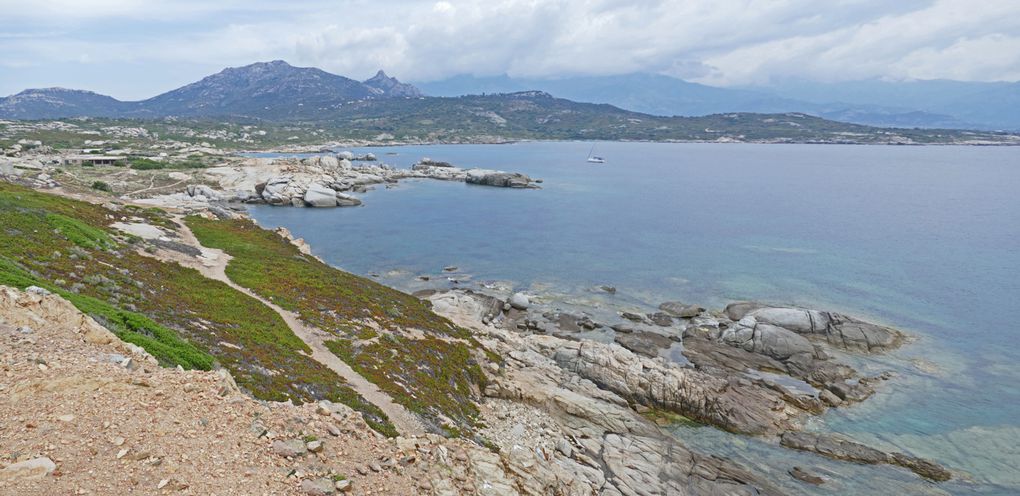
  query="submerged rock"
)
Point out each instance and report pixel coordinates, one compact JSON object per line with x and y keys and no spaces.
{"x":737,"y":310}
{"x":844,"y":449}
{"x":633,"y":317}
{"x":805,"y":476}
{"x":680,"y":309}
{"x":644,"y":342}
{"x":662,"y":319}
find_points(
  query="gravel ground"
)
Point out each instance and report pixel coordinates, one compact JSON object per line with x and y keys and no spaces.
{"x":136,"y":428}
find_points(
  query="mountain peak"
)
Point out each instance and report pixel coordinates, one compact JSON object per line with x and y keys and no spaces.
{"x":54,"y":90}
{"x":390,"y":86}
{"x":271,"y":63}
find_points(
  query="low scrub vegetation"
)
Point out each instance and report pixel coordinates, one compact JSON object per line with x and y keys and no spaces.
{"x":102,"y":186}
{"x":175,"y":313}
{"x":436,"y":376}
{"x":431,"y":377}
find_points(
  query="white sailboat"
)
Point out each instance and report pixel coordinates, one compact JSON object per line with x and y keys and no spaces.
{"x":595,"y":159}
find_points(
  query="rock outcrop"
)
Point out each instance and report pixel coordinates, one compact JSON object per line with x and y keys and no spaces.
{"x":733,"y":405}
{"x":500,"y":179}
{"x":593,"y":388}
{"x":770,"y":340}
{"x":484,"y":177}
{"x":613,"y":450}
{"x":326,"y":180}
{"x":318,"y":195}
{"x":152,"y":429}
{"x":837,"y":329}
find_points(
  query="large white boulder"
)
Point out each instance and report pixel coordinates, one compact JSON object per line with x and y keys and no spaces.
{"x":520,"y":301}
{"x":319,"y":195}
{"x":275,"y":190}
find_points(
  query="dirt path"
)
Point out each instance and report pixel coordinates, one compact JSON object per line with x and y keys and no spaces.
{"x":213,"y":264}
{"x":152,"y":187}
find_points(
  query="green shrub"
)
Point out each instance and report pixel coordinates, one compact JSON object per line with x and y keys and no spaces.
{"x":102,"y":186}
{"x":142,"y":163}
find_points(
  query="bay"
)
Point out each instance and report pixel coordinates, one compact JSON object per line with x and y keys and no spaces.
{"x":926,"y":239}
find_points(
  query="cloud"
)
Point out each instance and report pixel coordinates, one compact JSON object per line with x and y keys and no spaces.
{"x":947,"y":39}
{"x":723,"y":42}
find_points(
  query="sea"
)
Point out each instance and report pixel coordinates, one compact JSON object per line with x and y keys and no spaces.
{"x":922,"y":238}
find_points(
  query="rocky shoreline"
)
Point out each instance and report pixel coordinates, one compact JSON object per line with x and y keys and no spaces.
{"x":724,"y":348}
{"x":324,"y":181}
{"x":570,"y":415}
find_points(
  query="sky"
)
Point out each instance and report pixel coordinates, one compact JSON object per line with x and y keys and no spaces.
{"x":134,"y":49}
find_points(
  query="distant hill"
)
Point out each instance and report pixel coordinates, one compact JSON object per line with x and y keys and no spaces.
{"x":53,"y":103}
{"x":994,"y":105}
{"x":646,"y":93}
{"x":276,"y":92}
{"x":271,"y":90}
{"x":539,"y":115}
{"x":933,"y":104}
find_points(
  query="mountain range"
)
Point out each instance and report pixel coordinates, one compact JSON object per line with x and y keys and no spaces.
{"x":267,"y":90}
{"x":925,"y":104}
{"x":640,"y":107}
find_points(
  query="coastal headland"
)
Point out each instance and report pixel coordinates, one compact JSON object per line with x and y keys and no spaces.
{"x":167,"y":294}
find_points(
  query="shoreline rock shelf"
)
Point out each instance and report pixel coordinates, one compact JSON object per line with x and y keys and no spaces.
{"x":322,"y":181}
{"x":750,"y":368}
{"x":584,"y":390}
{"x":326,"y":181}
{"x":753,"y":368}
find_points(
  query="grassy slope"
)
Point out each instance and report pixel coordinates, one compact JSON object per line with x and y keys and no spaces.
{"x":434,"y":376}
{"x":175,"y":313}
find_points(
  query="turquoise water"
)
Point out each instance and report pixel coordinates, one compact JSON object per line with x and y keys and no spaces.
{"x":923,"y":238}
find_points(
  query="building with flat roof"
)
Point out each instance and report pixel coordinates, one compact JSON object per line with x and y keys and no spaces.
{"x":90,"y":160}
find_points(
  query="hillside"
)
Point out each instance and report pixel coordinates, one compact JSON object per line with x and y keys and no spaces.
{"x":117,"y":423}
{"x":539,"y":115}
{"x":103,"y":303}
{"x":272,"y":88}
{"x":55,"y":103}
{"x":275,"y":90}
{"x":926,"y":104}
{"x":300,"y":100}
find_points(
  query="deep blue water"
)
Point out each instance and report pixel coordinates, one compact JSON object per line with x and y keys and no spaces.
{"x":923,"y":238}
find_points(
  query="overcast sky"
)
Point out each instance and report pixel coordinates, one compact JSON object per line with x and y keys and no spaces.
{"x":133,"y":49}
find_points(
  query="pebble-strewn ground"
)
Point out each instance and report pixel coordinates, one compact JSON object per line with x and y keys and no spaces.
{"x":136,"y":428}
